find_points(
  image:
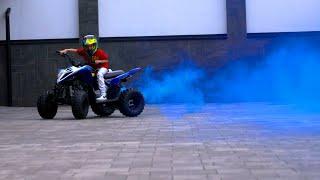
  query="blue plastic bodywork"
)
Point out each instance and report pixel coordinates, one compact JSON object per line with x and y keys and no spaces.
{"x":117,"y":80}
{"x":85,"y":75}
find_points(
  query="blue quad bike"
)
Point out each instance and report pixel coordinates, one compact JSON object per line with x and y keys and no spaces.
{"x":77,"y":86}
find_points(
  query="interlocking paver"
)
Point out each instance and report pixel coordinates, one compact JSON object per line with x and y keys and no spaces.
{"x":219,"y":141}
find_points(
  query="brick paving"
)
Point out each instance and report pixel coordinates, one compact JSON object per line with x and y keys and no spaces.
{"x":214,"y":141}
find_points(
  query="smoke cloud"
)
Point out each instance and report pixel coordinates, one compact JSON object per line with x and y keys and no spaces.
{"x":290,"y":73}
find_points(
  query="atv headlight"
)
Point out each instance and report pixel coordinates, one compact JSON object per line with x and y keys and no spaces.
{"x":60,"y":73}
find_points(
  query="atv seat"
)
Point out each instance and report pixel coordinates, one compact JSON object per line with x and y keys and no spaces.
{"x":113,"y":74}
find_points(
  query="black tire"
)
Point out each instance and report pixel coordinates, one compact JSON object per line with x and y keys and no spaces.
{"x":47,"y":107}
{"x":80,"y":104}
{"x":131,"y":103}
{"x":102,"y":109}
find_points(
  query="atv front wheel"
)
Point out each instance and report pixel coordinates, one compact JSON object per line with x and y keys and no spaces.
{"x":80,"y":104}
{"x":102,"y":109}
{"x":131,"y":103}
{"x":47,"y":107}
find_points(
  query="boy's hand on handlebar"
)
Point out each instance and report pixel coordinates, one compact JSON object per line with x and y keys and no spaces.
{"x":65,"y":51}
{"x":62,"y":52}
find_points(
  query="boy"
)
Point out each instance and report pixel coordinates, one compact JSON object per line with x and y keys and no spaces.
{"x":96,"y":58}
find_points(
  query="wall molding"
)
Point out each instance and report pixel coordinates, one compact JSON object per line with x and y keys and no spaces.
{"x":41,"y":41}
{"x":283,"y":34}
{"x":164,"y":38}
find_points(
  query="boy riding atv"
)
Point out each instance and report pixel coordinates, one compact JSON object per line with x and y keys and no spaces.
{"x":77,"y":86}
{"x":96,"y":58}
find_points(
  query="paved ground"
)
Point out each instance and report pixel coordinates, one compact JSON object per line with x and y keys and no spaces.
{"x":216,"y":141}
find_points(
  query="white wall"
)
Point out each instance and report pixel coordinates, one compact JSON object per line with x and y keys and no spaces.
{"x":125,"y":18}
{"x":282,"y":15}
{"x":40,"y":19}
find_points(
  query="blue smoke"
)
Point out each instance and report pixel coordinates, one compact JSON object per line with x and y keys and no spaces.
{"x":290,"y":73}
{"x":179,"y":85}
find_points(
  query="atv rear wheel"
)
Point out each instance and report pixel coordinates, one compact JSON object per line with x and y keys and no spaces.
{"x":47,"y":107}
{"x":131,"y":103}
{"x":80,"y":104}
{"x":102,"y":109}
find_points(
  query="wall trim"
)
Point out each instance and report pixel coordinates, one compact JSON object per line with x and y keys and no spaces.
{"x":164,"y":38}
{"x":283,"y":34}
{"x":41,"y":41}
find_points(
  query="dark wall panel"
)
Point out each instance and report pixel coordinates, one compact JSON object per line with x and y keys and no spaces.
{"x":3,"y":77}
{"x":164,"y":54}
{"x":34,"y":69}
{"x":35,"y":64}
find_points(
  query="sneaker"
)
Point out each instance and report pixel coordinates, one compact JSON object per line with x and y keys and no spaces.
{"x":101,"y":99}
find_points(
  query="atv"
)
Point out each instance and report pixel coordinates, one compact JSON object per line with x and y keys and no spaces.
{"x":77,"y":86}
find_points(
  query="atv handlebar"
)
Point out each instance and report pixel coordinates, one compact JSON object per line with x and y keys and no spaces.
{"x":71,"y":60}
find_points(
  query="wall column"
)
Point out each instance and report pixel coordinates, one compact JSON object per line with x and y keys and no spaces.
{"x":236,"y":20}
{"x":88,"y":17}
